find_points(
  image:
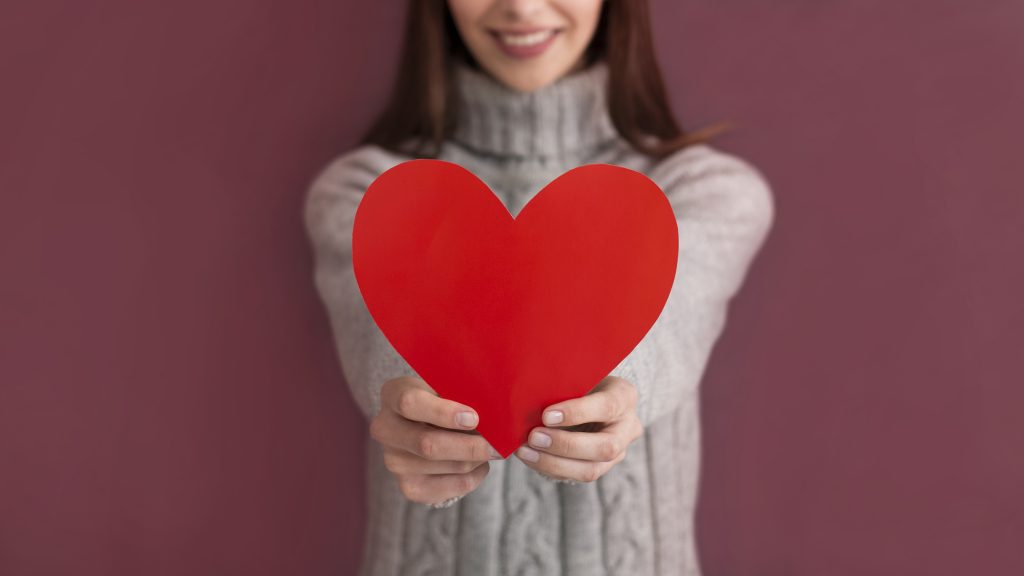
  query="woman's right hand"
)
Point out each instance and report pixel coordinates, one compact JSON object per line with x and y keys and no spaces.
{"x":430,"y":443}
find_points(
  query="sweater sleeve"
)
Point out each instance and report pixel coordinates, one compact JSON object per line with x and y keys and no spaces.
{"x":724,"y":210}
{"x":367,"y":358}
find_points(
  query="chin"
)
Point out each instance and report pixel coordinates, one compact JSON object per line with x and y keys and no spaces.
{"x":528,"y":85}
{"x":528,"y":80}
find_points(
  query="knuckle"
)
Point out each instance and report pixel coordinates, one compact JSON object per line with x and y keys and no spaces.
{"x":464,"y":483}
{"x":570,"y":444}
{"x":631,"y":393}
{"x":614,"y":406}
{"x":638,"y":429}
{"x":391,"y":462}
{"x":426,"y":445}
{"x":591,"y":474}
{"x":467,"y":466}
{"x":409,"y":488}
{"x":468,"y":481}
{"x":406,"y":401}
{"x":608,"y":450}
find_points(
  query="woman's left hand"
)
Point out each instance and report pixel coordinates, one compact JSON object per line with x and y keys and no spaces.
{"x":585,"y":437}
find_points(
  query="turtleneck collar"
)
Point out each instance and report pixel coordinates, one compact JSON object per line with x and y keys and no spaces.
{"x":568,"y":116}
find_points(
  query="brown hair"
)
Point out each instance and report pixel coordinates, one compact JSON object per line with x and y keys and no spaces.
{"x":423,"y":105}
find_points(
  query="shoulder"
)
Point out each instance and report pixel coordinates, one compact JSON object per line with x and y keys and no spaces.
{"x":356,"y":168}
{"x":701,"y":164}
{"x":346,"y":177}
{"x":334,"y":191}
{"x":706,"y":179}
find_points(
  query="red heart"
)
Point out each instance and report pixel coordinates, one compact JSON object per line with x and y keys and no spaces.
{"x":510,"y":315}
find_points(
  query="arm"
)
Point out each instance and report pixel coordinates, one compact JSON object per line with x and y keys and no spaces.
{"x":367,"y":358}
{"x":724,"y":209}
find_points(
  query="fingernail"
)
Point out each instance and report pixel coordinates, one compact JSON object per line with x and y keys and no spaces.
{"x":552,"y":417}
{"x":495,"y":455}
{"x":540,"y":440}
{"x":467,"y":419}
{"x":527,"y":453}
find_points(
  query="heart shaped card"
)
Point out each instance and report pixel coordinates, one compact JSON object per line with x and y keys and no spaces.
{"x":510,"y":315}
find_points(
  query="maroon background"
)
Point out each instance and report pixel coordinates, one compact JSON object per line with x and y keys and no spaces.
{"x":170,"y":402}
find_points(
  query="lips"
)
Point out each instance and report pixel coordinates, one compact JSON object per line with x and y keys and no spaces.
{"x":525,"y":43}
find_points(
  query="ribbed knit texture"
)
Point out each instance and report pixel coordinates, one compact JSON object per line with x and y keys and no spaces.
{"x":638,"y":518}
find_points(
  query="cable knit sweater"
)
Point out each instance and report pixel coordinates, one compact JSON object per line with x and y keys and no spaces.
{"x":638,"y":518}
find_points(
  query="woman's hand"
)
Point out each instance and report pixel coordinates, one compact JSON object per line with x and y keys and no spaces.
{"x":429,"y":442}
{"x":585,"y":437}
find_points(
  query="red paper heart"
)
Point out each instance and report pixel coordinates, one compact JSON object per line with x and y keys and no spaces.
{"x":510,"y":315}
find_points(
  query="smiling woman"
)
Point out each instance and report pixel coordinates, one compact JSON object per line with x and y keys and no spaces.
{"x":424,"y":107}
{"x":544,"y":43}
{"x":519,"y":92}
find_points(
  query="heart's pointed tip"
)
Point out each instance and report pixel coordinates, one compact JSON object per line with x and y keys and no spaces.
{"x":506,"y":451}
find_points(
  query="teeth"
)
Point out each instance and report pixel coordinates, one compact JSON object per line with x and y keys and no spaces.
{"x":526,"y":39}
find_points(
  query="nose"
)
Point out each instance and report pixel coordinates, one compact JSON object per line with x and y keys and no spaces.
{"x":521,"y":9}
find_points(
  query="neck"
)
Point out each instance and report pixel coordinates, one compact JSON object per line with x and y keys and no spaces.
{"x":569,"y":116}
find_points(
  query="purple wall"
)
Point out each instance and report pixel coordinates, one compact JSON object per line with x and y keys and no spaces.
{"x":170,"y":402}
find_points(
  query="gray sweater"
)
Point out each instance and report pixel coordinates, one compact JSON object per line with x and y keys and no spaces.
{"x":638,"y":518}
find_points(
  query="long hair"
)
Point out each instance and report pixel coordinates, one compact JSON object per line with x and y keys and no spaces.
{"x":422,"y":109}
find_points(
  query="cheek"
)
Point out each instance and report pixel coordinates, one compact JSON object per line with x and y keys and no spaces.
{"x":583,"y":16}
{"x":471,"y":18}
{"x":583,"y":13}
{"x":462,"y":9}
{"x":467,"y":14}
{"x":575,"y":40}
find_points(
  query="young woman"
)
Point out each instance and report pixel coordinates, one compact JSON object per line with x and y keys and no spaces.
{"x":518,"y":92}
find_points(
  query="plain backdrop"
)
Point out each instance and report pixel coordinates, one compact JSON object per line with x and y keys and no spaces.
{"x":170,"y":399}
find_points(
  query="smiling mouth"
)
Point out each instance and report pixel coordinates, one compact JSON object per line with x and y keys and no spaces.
{"x":524,"y":40}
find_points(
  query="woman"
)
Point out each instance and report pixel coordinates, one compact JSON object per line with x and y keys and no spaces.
{"x":519,"y":92}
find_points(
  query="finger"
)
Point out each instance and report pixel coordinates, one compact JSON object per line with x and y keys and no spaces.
{"x":601,"y":446}
{"x":401,"y":462}
{"x":414,"y":400}
{"x":562,"y":468}
{"x":612,"y":399}
{"x":435,"y":488}
{"x":431,"y":443}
